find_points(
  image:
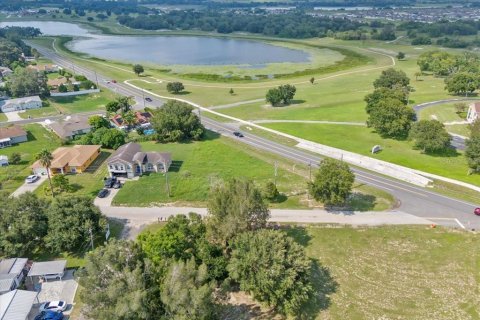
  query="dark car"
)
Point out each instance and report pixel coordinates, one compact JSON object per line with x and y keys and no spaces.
{"x":103,"y":193}
{"x":148,"y":99}
{"x":114,"y":81}
{"x":109,"y":182}
{"x":238,"y":134}
{"x":477,"y":211}
{"x":49,"y":315}
{"x":117,"y":185}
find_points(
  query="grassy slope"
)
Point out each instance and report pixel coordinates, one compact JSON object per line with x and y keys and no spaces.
{"x":396,"y":272}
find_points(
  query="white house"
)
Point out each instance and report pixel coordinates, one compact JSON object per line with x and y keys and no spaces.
{"x":19,"y":104}
{"x":3,"y":161}
{"x":473,"y":112}
{"x":12,"y":272}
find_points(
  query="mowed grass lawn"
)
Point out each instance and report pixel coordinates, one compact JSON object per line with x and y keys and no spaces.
{"x":447,"y":113}
{"x":13,"y":176}
{"x":198,"y":165}
{"x":3,"y":117}
{"x":361,"y":140}
{"x":395,"y":272}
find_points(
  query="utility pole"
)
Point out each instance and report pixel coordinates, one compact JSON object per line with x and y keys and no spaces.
{"x":166,"y":179}
{"x":96,"y":79}
{"x":275,"y":174}
{"x":91,"y":237}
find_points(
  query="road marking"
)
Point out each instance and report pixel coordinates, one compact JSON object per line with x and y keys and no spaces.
{"x":446,"y":219}
{"x":460,"y":224}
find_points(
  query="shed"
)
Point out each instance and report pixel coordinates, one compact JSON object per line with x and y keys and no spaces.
{"x":48,"y":269}
{"x":16,"y":304}
{"x":3,"y":161}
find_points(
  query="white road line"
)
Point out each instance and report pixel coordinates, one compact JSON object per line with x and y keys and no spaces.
{"x":460,"y":224}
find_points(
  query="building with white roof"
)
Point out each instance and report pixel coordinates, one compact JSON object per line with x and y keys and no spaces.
{"x":12,"y":272}
{"x":17,"y":304}
{"x":19,"y":104}
{"x":48,"y":269}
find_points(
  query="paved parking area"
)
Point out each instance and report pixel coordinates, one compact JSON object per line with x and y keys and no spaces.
{"x":26,"y":187}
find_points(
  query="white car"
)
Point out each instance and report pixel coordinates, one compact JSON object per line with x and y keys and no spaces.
{"x":56,"y":306}
{"x":32,"y":178}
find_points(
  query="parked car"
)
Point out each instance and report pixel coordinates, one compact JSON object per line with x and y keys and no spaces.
{"x":117,"y":185}
{"x":148,"y":99}
{"x":103,"y":193}
{"x":238,"y":134}
{"x":477,"y":211}
{"x":32,"y":178}
{"x":109,"y":182}
{"x":50,"y":315}
{"x":114,"y":81}
{"x":56,"y":306}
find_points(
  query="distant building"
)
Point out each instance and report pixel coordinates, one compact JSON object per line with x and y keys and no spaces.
{"x":69,"y":160}
{"x":3,"y":161}
{"x":142,"y":119}
{"x":55,"y":83}
{"x":5,"y":71}
{"x":473,"y":112}
{"x":12,"y":135}
{"x":48,"y":68}
{"x":71,"y":127}
{"x":19,"y":104}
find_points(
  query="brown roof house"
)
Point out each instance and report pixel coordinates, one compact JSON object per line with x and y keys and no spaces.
{"x":12,"y":135}
{"x":70,"y":127}
{"x":48,"y":68}
{"x":473,"y":112}
{"x":74,"y":159}
{"x":129,"y":161}
{"x":142,"y":119}
{"x":55,"y":83}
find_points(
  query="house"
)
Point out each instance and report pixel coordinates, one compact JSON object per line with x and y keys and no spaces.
{"x":129,"y":161}
{"x":48,"y":269}
{"x":5,"y":72}
{"x":48,"y":68}
{"x":17,"y":304}
{"x":3,"y":161}
{"x":141,"y":119}
{"x":12,"y":272}
{"x":69,"y":160}
{"x":473,"y":112}
{"x":70,"y":127}
{"x":12,"y":135}
{"x":19,"y":104}
{"x":55,"y":83}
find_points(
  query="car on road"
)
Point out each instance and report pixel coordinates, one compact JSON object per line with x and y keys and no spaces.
{"x":238,"y":134}
{"x":114,"y":81}
{"x":50,"y":315}
{"x":477,"y":211}
{"x":103,"y":193}
{"x":117,"y":185}
{"x":32,"y":178}
{"x":109,"y":182}
{"x":58,"y":305}
{"x":148,"y":99}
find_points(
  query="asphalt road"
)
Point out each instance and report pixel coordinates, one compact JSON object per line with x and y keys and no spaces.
{"x":418,"y":201}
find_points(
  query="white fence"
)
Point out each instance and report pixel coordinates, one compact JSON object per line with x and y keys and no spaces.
{"x":73,"y":93}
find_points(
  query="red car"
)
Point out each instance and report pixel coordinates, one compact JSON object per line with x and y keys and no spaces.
{"x":477,"y":211}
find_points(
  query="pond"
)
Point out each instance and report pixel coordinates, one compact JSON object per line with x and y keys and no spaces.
{"x":170,"y":50}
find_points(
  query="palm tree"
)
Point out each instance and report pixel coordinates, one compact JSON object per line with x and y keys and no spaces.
{"x":124,"y":103}
{"x":129,"y":119}
{"x":45,"y":157}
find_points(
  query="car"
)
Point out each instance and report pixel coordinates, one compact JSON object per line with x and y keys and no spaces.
{"x":148,"y":99}
{"x":32,"y":178}
{"x":477,"y":211}
{"x":114,"y":81}
{"x":50,"y":315}
{"x":109,"y":182}
{"x":117,"y":185}
{"x":57,"y":305}
{"x":103,"y":193}
{"x":238,"y":134}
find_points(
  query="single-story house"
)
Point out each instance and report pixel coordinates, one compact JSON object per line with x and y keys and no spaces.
{"x":5,"y":71}
{"x":17,"y":304}
{"x":55,"y":83}
{"x":3,"y":161}
{"x":70,"y":127}
{"x":12,"y":135}
{"x":19,"y":104}
{"x":69,"y":160}
{"x":129,"y":161}
{"x":48,"y":269}
{"x":12,"y":272}
{"x":473,"y":112}
{"x":48,"y":68}
{"x":141,"y":119}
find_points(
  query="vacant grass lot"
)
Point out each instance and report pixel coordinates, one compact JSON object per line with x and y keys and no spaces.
{"x":362,"y":139}
{"x":13,"y":176}
{"x":394,"y":272}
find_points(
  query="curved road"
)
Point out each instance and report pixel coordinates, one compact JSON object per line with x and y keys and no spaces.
{"x":418,"y":201}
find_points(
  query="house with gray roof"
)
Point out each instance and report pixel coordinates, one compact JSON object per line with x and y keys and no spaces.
{"x":70,"y":127}
{"x":12,"y":272}
{"x":17,"y":304}
{"x":19,"y":104}
{"x":130,"y":161}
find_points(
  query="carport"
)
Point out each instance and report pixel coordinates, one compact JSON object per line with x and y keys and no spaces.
{"x":16,"y":304}
{"x":48,"y":269}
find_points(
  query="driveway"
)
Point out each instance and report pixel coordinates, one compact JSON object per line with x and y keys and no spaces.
{"x":107,"y":201}
{"x":13,"y":116}
{"x":29,"y":187}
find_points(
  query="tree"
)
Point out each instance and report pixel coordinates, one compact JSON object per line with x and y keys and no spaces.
{"x":23,"y":224}
{"x":175,"y":122}
{"x":25,"y":82}
{"x":62,"y":88}
{"x":231,"y":91}
{"x":117,"y":283}
{"x":70,"y":221}
{"x":287,"y":93}
{"x":401,"y":56}
{"x":312,"y":80}
{"x":333,"y":182}
{"x":430,"y":136}
{"x":392,"y":79}
{"x":98,"y":122}
{"x":273,"y":268}
{"x":45,"y":157}
{"x":175,"y":87}
{"x":60,"y":183}
{"x":129,"y":119}
{"x":391,"y":118}
{"x":137,"y":68}
{"x":235,"y":206}
{"x":381,"y":94}
{"x":460,"y":108}
{"x":187,"y":293}
{"x":270,"y":192}
{"x":107,"y":138}
{"x":274,"y":96}
{"x":461,"y":83}
{"x":472,"y":153}
{"x":112,"y":106}
{"x":15,"y":158}
{"x":124,"y":103}
{"x":474,"y":128}
{"x":417,"y":75}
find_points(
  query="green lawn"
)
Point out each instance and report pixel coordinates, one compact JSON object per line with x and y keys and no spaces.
{"x":13,"y":176}
{"x":394,"y":272}
{"x":3,"y":117}
{"x":361,"y":140}
{"x":443,"y":113}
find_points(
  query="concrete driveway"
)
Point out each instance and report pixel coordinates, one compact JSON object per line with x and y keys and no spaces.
{"x":107,"y":201}
{"x":13,"y":116}
{"x":29,"y":187}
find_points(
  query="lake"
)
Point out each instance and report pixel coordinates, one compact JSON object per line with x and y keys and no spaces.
{"x":169,"y":50}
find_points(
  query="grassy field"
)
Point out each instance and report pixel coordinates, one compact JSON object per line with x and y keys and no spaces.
{"x":394,"y":272}
{"x":3,"y":117}
{"x":13,"y":176}
{"x":361,"y":139}
{"x":447,"y":113}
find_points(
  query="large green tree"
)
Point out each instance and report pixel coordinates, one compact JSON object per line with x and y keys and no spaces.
{"x":234,"y":207}
{"x":283,"y":94}
{"x":430,"y":136}
{"x":187,"y":292}
{"x":138,"y":68}
{"x":273,"y":268}
{"x":98,"y":122}
{"x":108,"y":138}
{"x":175,"y":87}
{"x":333,"y":182}
{"x":472,"y":153}
{"x":274,"y":97}
{"x":9,"y":52}
{"x":462,"y":83}
{"x":378,"y":95}
{"x":70,"y":221}
{"x":24,"y":82}
{"x":391,"y":118}
{"x":175,"y":121}
{"x":392,"y":79}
